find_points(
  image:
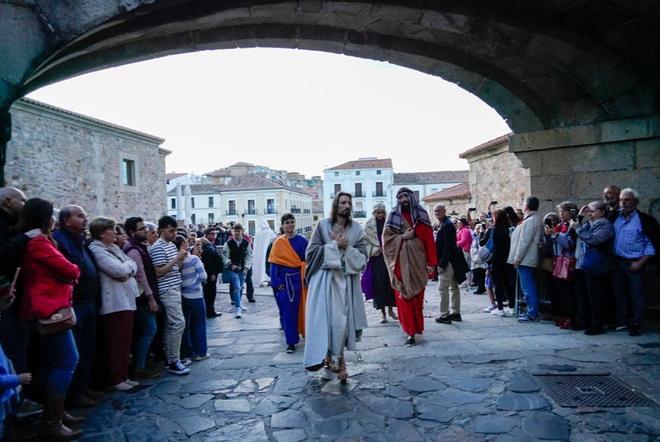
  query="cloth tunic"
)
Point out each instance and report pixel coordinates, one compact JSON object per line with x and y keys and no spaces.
{"x":379,"y":286}
{"x":262,"y":240}
{"x":287,"y":283}
{"x":335,"y":315}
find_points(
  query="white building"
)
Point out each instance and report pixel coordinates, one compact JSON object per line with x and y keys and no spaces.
{"x":424,"y":184}
{"x":173,"y":179}
{"x":243,"y":199}
{"x":369,"y":180}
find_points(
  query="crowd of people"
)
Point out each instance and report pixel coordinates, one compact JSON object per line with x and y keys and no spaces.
{"x":95,"y":306}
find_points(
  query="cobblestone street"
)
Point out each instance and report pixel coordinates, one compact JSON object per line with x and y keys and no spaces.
{"x":466,"y":381}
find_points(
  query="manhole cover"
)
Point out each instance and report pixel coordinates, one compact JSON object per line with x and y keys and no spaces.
{"x":577,"y":390}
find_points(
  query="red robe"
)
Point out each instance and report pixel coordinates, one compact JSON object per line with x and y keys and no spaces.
{"x":410,"y":311}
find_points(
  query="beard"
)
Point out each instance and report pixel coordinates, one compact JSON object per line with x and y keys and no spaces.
{"x":405,"y":206}
{"x":345,"y":213}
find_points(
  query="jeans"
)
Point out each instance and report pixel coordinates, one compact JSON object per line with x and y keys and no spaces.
{"x":528,"y":284}
{"x":174,"y":323}
{"x":237,"y":281}
{"x":59,"y":357}
{"x":85,"y":335}
{"x":628,"y":291}
{"x":145,"y":323}
{"x":194,"y":335}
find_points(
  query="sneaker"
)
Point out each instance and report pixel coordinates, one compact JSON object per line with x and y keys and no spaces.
{"x":527,"y":318}
{"x":178,"y":368}
{"x":455,"y":317}
{"x":290,"y":348}
{"x":443,"y":320}
{"x":489,"y":309}
{"x":410,"y":341}
{"x":497,"y":312}
{"x":122,"y":386}
{"x":29,"y":408}
{"x":201,"y":358}
{"x":186,"y":361}
{"x":509,"y":311}
{"x":621,"y":328}
{"x":132,"y":383}
{"x":238,"y":312}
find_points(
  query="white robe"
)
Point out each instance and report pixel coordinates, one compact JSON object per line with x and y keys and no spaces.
{"x":335,"y":314}
{"x":259,"y":248}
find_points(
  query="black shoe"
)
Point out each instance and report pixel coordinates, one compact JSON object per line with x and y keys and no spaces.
{"x":290,"y":348}
{"x":593,"y":331}
{"x":410,"y":341}
{"x":213,"y":314}
{"x":443,"y":320}
{"x":455,"y":317}
{"x":252,"y":300}
{"x":634,"y":330}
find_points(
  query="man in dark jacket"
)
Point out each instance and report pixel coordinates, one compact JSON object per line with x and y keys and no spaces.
{"x":213,"y":266}
{"x":451,"y":268}
{"x":636,"y":243}
{"x":70,"y":238}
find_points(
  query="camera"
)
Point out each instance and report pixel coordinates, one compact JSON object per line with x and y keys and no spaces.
{"x":472,"y":209}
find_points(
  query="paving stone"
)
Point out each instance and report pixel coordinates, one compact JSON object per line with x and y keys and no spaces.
{"x":546,"y":426}
{"x":455,"y":398}
{"x":248,"y":430}
{"x":421,"y":385}
{"x":233,"y":405}
{"x":390,"y":407}
{"x":494,"y":424}
{"x":480,"y":359}
{"x":166,"y":387}
{"x":209,"y":386}
{"x":272,"y":404}
{"x":288,"y":419}
{"x":557,"y":367}
{"x":246,"y":386}
{"x":295,"y":435}
{"x":330,"y":428}
{"x":337,"y":388}
{"x":435,"y":413}
{"x":290,"y":383}
{"x":398,"y":430}
{"x":195,"y":424}
{"x":471,"y":384}
{"x":397,"y":392}
{"x":328,"y":407}
{"x":522,"y":402}
{"x":195,"y":400}
{"x":264,"y":383}
{"x":523,"y":383}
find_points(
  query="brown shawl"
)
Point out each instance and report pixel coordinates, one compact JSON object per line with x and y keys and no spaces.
{"x":411,"y":257}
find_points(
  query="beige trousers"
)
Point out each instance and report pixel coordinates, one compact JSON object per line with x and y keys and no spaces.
{"x":449,"y":291}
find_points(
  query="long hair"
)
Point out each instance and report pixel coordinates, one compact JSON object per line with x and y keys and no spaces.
{"x":36,"y":214}
{"x":335,"y":208}
{"x":501,"y":220}
{"x":511,"y":214}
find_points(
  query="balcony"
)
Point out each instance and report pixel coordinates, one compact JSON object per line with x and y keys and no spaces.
{"x":307,"y":210}
{"x":296,"y":210}
{"x":230,"y":212}
{"x":359,"y":195}
{"x":270,"y":211}
{"x":359,"y":214}
{"x":379,"y":194}
{"x":251,"y":212}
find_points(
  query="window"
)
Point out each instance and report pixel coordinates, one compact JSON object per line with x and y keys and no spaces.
{"x":173,"y":203}
{"x":193,"y":219}
{"x":252,"y":229}
{"x":379,"y":188}
{"x":357,"y":173}
{"x":270,"y":206}
{"x":251,"y":208}
{"x":210,"y":201}
{"x":128,"y":172}
{"x":336,"y":173}
{"x":211,"y":217}
{"x":377,"y":172}
{"x":358,"y":189}
{"x":337,"y":188}
{"x":231,"y":208}
{"x":192,"y":203}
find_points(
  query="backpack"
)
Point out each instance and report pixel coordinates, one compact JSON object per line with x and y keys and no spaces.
{"x":486,"y":252}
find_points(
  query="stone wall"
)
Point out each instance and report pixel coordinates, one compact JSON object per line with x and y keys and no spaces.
{"x":456,"y":207}
{"x":497,"y":175}
{"x":73,"y":159}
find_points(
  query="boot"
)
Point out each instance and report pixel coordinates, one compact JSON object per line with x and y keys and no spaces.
{"x":52,"y":426}
{"x":69,"y":419}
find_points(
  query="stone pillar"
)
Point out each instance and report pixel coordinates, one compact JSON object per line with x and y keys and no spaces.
{"x":576,"y":163}
{"x":5,"y":136}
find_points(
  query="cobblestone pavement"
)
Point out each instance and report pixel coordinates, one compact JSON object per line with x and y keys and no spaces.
{"x":465,"y":381}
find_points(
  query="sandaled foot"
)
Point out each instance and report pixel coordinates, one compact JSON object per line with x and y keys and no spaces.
{"x":342,"y":374}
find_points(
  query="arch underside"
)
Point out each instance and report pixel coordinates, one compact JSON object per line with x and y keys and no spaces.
{"x":534,"y":73}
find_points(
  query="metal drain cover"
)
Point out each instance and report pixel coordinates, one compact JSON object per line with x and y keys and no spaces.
{"x":600,"y":390}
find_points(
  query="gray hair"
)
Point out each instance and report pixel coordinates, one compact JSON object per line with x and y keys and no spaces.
{"x":65,"y":212}
{"x":439,"y":206}
{"x":633,"y":192}
{"x":151,"y":227}
{"x":598,"y":205}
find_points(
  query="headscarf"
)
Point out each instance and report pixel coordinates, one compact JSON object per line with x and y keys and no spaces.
{"x":379,"y":206}
{"x":395,"y":219}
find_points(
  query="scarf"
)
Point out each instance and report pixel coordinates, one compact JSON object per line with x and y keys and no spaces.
{"x":395,"y":220}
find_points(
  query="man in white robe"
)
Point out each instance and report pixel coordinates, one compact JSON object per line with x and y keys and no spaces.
{"x":335,"y":315}
{"x":262,"y":240}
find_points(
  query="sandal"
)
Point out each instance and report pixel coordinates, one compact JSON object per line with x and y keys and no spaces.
{"x":342,"y":374}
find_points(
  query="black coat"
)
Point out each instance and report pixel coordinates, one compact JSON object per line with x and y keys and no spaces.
{"x":212,"y":260}
{"x":448,"y":252}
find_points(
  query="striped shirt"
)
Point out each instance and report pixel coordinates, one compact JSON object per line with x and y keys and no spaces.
{"x":192,"y":277}
{"x":161,"y":253}
{"x":630,"y":241}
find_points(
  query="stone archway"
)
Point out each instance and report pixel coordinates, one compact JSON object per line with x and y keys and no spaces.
{"x":574,"y":78}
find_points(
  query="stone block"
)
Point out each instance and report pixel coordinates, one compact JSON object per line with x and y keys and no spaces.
{"x":611,"y":156}
{"x":647,"y":153}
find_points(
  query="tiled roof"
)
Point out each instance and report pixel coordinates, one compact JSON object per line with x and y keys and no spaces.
{"x":241,"y":183}
{"x":438,"y":177}
{"x":173,"y":175}
{"x":385,"y":163}
{"x":496,"y":142}
{"x":458,"y":191}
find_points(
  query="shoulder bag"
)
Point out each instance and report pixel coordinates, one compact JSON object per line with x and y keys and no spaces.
{"x":63,"y":319}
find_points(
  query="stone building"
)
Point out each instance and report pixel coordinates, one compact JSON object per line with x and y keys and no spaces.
{"x":456,"y":200}
{"x":424,"y":184}
{"x":70,"y":158}
{"x":496,"y":175}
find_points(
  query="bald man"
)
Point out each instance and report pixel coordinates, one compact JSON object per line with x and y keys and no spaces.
{"x":12,"y":201}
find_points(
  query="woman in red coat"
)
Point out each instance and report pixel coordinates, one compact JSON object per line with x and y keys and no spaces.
{"x":48,"y":279}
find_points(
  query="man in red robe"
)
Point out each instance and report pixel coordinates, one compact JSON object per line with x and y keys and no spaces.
{"x":409,"y":253}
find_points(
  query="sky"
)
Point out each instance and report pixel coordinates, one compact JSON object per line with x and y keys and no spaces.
{"x":294,"y":110}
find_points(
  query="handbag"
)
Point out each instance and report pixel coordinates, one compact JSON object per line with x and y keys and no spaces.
{"x":564,"y":268}
{"x":594,"y":262}
{"x":63,"y":319}
{"x":485,"y":252}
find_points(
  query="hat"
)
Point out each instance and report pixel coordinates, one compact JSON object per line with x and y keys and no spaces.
{"x":379,"y":206}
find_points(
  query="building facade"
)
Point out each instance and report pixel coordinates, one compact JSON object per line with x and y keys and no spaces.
{"x":243,"y":199}
{"x":456,"y":200}
{"x":424,"y":184}
{"x":69,"y":158}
